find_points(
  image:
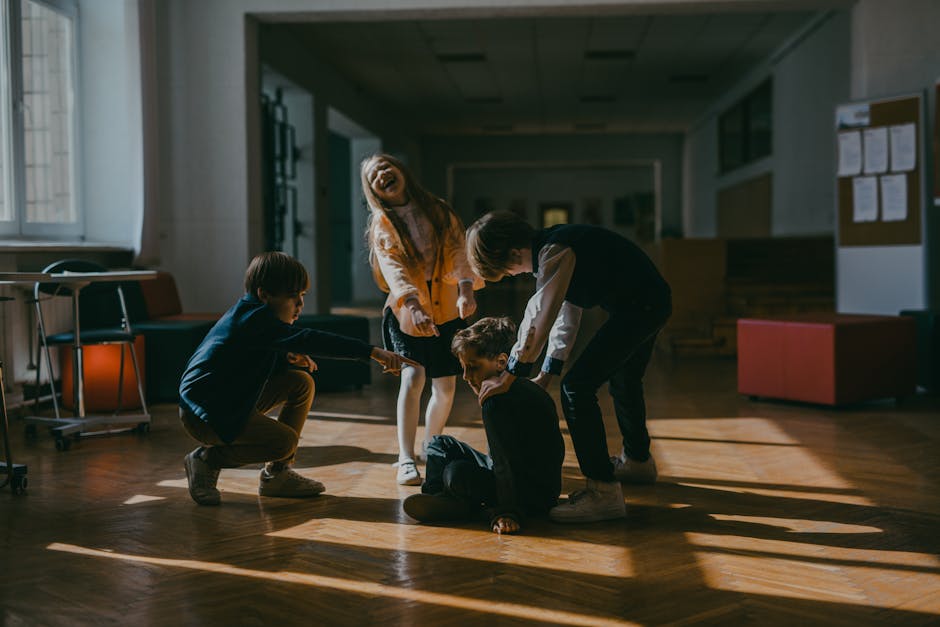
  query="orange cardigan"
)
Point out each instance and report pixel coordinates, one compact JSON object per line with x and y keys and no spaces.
{"x":402,"y":278}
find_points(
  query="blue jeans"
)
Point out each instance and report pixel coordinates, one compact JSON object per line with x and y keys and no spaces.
{"x":457,"y":469}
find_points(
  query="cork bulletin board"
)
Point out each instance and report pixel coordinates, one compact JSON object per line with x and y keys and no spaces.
{"x":880,"y":171}
{"x":936,"y":145}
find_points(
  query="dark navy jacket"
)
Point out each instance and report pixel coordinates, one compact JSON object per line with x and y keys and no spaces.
{"x":226,"y":374}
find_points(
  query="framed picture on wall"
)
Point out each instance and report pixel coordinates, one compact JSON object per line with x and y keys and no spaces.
{"x":624,"y":214}
{"x":591,"y":212}
{"x":518,"y":207}
{"x":482,"y":205}
{"x":554,"y":213}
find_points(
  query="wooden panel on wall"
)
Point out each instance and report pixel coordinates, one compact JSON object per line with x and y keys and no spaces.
{"x":744,"y":209}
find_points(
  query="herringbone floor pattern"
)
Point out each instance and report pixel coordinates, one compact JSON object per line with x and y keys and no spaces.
{"x":765,"y":514}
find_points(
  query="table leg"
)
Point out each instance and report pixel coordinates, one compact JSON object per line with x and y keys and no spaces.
{"x":78,"y":377}
{"x":16,"y":473}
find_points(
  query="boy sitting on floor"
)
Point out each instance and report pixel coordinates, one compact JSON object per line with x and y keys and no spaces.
{"x":522,"y":474}
{"x":239,"y":372}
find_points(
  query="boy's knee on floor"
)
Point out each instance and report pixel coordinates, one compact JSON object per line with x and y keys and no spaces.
{"x":457,"y":477}
{"x":440,"y":444}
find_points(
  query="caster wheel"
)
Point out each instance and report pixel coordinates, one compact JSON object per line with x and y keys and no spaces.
{"x":30,"y":432}
{"x":143,"y":428}
{"x":63,"y":444}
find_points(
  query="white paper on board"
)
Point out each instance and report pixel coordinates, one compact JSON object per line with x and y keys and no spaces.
{"x":850,"y":153}
{"x":903,"y":147}
{"x":875,"y":143}
{"x":865,"y":198}
{"x":893,"y":197}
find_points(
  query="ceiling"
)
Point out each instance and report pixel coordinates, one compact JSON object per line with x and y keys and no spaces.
{"x":550,"y":74}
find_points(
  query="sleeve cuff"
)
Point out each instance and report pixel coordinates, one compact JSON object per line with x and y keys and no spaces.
{"x":519,"y":368}
{"x":553,"y":366}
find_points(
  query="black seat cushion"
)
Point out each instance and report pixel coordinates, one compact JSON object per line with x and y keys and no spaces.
{"x":92,"y":336}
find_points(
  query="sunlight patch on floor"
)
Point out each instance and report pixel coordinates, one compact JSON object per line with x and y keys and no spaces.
{"x":861,"y":556}
{"x":362,"y":588}
{"x":143,"y":498}
{"x":819,"y":573}
{"x":521,"y":550}
{"x":796,"y":525}
{"x":345,"y":416}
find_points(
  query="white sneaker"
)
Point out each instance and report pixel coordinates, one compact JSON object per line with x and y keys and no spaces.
{"x":627,"y":470}
{"x":601,"y":500}
{"x":407,"y":472}
{"x":288,"y":484}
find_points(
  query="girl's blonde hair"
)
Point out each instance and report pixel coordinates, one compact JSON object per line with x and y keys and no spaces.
{"x":434,"y":209}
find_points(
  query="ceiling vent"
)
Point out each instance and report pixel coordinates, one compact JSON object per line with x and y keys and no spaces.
{"x":598,"y":98}
{"x":590,"y":126}
{"x":611,"y":54}
{"x":688,"y":79}
{"x":461,"y":57}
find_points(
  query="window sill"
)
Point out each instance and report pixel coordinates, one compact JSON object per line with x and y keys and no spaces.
{"x":34,"y":255}
{"x":29,"y":246}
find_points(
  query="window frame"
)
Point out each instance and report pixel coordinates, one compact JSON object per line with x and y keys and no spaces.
{"x":18,"y":227}
{"x":738,"y":129}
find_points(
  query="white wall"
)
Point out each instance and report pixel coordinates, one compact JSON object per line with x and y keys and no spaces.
{"x":438,"y":153}
{"x":895,"y":51}
{"x":537,"y":185}
{"x":364,"y":289}
{"x":810,"y":76}
{"x":111,"y":163}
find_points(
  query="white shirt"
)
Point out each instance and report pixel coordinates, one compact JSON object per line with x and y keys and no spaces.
{"x":548,"y":316}
{"x":421,"y":232}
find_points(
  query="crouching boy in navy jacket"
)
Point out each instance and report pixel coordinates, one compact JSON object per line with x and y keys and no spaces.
{"x":240,"y":371}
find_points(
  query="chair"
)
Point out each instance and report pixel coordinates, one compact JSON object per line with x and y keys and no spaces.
{"x":99,"y":317}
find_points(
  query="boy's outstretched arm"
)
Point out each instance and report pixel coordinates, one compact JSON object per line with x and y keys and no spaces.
{"x":391,"y":362}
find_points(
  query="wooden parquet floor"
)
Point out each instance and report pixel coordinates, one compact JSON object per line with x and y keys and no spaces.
{"x":765,"y":514}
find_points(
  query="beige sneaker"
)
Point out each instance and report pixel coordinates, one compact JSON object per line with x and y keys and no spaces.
{"x":288,"y":484}
{"x":202,"y":479}
{"x":627,"y":470}
{"x":600,"y":500}
{"x":407,"y":472}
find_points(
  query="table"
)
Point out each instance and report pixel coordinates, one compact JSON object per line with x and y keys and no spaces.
{"x":76,"y":281}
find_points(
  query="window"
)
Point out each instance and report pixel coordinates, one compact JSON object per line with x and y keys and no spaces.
{"x":745,"y":130}
{"x":38,"y":182}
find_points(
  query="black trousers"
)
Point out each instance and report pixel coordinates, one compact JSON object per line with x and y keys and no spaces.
{"x":618,"y":353}
{"x":457,"y":469}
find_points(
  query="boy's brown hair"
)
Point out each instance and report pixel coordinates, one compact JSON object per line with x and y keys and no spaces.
{"x":276,"y":273}
{"x":490,"y":241}
{"x":488,"y":336}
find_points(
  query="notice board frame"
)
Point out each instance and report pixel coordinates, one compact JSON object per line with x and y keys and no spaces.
{"x":884,"y":112}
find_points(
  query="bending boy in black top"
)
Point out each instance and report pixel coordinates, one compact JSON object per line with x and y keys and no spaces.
{"x":578,"y":267}
{"x":239,"y":372}
{"x":522,"y":474}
